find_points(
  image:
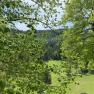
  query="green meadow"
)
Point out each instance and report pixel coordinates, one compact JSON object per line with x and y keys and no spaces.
{"x":81,"y":85}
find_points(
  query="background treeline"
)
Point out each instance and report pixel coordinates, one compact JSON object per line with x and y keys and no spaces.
{"x":53,"y":39}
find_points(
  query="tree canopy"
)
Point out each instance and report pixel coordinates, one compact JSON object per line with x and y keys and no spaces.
{"x":22,"y":69}
{"x":28,"y":12}
{"x":78,"y":41}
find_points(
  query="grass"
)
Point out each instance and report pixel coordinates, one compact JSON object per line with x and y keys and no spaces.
{"x":86,"y":83}
{"x":54,"y":76}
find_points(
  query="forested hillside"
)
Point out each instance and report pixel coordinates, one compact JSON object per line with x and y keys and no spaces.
{"x":52,"y":39}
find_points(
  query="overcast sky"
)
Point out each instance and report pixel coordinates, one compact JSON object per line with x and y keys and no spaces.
{"x":22,"y":26}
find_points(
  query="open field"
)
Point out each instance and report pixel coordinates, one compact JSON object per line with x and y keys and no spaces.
{"x":85,"y":83}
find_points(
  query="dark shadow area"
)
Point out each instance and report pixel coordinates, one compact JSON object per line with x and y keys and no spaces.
{"x":84,"y":71}
{"x":91,"y":72}
{"x":84,"y":93}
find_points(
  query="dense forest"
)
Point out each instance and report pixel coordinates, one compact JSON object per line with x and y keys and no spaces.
{"x":50,"y":61}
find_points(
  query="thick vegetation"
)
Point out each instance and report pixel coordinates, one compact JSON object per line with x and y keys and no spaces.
{"x":78,"y":41}
{"x":23,"y":55}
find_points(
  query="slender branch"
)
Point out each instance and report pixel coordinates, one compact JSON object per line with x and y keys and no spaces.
{"x":33,"y":19}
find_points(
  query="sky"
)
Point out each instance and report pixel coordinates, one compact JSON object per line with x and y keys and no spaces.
{"x":22,"y":26}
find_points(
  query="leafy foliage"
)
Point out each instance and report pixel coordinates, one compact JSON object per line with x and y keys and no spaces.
{"x":27,"y":12}
{"x":77,"y":46}
{"x":21,"y":69}
{"x":20,"y":61}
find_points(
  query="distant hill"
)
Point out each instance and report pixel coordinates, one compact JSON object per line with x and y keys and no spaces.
{"x":49,"y":33}
{"x":52,"y":39}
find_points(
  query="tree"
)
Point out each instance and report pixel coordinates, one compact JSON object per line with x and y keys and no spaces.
{"x":21,"y":68}
{"x":30,"y":14}
{"x":20,"y":63}
{"x":77,"y":46}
